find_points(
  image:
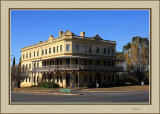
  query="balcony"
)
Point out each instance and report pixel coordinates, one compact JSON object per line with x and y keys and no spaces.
{"x":77,"y":67}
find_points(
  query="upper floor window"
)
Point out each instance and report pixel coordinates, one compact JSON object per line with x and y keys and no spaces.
{"x":49,"y":50}
{"x":30,"y":55}
{"x":61,"y":48}
{"x":104,"y":50}
{"x":112,"y":51}
{"x":108,"y":63}
{"x":27,"y":55}
{"x":67,"y":61}
{"x":42,"y":52}
{"x":90,"y":49}
{"x":85,"y":62}
{"x":67,"y":47}
{"x":76,"y":61}
{"x":85,"y":48}
{"x":90,"y":62}
{"x":97,"y":62}
{"x":34,"y":54}
{"x":77,"y":48}
{"x":57,"y":48}
{"x":37,"y":64}
{"x":53,"y":49}
{"x":37,"y":53}
{"x":45,"y":51}
{"x":34,"y":64}
{"x":97,"y":49}
{"x":108,"y":50}
{"x":105,"y":63}
{"x":112,"y":63}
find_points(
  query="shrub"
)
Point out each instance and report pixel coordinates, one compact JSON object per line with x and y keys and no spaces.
{"x":90,"y":85}
{"x":48,"y":85}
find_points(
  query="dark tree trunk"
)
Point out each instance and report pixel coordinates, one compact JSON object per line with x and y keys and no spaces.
{"x":18,"y":84}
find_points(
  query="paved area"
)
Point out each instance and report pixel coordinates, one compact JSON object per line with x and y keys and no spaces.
{"x":129,"y":96}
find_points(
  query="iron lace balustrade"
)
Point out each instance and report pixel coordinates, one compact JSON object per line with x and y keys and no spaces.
{"x":77,"y":67}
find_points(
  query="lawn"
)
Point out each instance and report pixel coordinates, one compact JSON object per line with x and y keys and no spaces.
{"x":123,"y":88}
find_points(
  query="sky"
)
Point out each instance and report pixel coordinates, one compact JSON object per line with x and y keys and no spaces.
{"x":28,"y":27}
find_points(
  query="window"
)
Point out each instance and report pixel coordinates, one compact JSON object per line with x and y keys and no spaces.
{"x":37,"y":53}
{"x":34,"y":78}
{"x":112,"y":51}
{"x":30,"y":55}
{"x":85,"y":62}
{"x":57,"y":78}
{"x":37,"y":78}
{"x":34,"y":64}
{"x":90,"y":49}
{"x":90,"y":78}
{"x":109,"y":78}
{"x":104,"y":50}
{"x":37,"y":64}
{"x":29,"y":65}
{"x":53,"y":49}
{"x":26,"y":66}
{"x":108,"y":50}
{"x":76,"y":61}
{"x":45,"y":51}
{"x":61,"y":79}
{"x":76,"y":79}
{"x":67,"y":61}
{"x":85,"y":79}
{"x":112,"y":63}
{"x":29,"y":79}
{"x":85,"y":48}
{"x":112,"y":78}
{"x":105,"y":79}
{"x":97,"y":49}
{"x":49,"y":50}
{"x":61,"y":48}
{"x":42,"y":52}
{"x":77,"y":48}
{"x":57,"y":48}
{"x":97,"y":62}
{"x":61,"y":62}
{"x":105,"y":63}
{"x":108,"y":63}
{"x":67,"y":47}
{"x":23,"y":56}
{"x":34,"y":53}
{"x":90,"y":62}
{"x":27,"y":55}
{"x":26,"y":79}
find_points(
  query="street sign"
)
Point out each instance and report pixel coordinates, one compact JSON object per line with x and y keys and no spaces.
{"x":65,"y":90}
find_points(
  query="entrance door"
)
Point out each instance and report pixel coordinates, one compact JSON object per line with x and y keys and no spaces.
{"x":98,"y":78}
{"x":67,"y":80}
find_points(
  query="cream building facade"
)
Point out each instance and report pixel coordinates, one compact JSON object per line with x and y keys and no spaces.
{"x":71,"y":60}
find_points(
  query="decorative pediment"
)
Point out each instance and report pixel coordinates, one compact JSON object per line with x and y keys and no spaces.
{"x":68,"y":33}
{"x":97,"y":37}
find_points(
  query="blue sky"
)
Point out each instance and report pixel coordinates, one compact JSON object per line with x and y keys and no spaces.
{"x":28,"y":27}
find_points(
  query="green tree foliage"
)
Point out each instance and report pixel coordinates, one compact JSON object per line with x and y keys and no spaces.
{"x":137,"y":57}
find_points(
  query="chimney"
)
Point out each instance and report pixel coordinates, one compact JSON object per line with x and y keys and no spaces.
{"x":60,"y":33}
{"x":82,"y":34}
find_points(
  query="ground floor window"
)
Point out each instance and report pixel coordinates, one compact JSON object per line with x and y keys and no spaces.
{"x":105,"y":79}
{"x":85,"y":79}
{"x":37,"y":78}
{"x":61,"y":79}
{"x":57,"y":78}
{"x":76,"y":79}
{"x":90,"y":78}
{"x":26,"y":79}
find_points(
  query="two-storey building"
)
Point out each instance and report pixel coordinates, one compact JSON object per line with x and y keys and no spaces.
{"x":71,"y":60}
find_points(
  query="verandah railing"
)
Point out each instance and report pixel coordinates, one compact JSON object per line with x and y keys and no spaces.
{"x":77,"y":67}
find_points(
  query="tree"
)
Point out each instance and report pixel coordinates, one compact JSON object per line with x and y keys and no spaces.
{"x":18,"y":74}
{"x":14,"y":61}
{"x":137,"y":57}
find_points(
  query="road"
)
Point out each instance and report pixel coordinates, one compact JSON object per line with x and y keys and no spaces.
{"x":136,"y":96}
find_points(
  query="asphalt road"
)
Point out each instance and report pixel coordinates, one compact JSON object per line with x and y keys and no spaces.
{"x":136,"y":96}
